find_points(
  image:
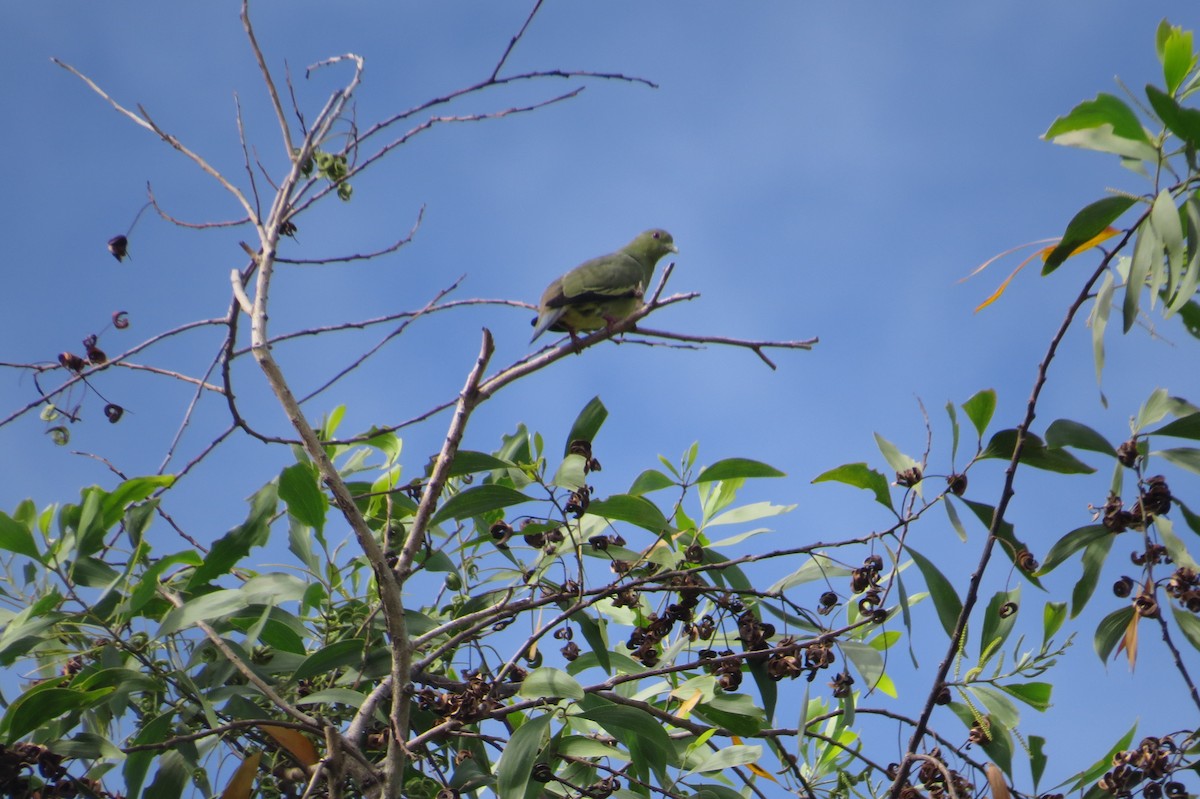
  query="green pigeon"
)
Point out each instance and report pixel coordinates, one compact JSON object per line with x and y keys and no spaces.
{"x":601,"y":292}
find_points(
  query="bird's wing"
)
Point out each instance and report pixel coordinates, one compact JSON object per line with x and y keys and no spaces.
{"x":607,"y":277}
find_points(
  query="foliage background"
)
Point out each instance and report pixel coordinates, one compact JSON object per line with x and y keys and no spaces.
{"x":826,"y":171}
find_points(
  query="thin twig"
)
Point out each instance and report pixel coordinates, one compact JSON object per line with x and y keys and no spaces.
{"x":341,"y":259}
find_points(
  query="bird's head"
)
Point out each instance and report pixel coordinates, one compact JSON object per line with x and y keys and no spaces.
{"x":653,"y":244}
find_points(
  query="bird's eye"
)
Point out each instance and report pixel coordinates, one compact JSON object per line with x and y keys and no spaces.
{"x":655,"y":234}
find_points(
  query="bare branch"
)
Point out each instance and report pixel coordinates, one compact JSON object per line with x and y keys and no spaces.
{"x":284,"y":131}
{"x":359,"y":256}
{"x":194,"y":225}
{"x":513,"y":42}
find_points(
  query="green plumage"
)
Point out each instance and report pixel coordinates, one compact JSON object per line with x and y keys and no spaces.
{"x":604,"y":290}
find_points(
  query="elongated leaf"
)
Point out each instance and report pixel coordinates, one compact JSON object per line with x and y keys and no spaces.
{"x":1164,"y":216}
{"x":1037,"y":759}
{"x":1089,"y":222}
{"x":295,"y":742}
{"x":1099,"y":321}
{"x":737,"y":713}
{"x":1110,"y":631}
{"x":1189,"y":625}
{"x":1105,"y":124}
{"x":470,"y":462}
{"x":996,"y":625}
{"x":171,"y":777}
{"x":1183,"y":122}
{"x":727,"y":757}
{"x":338,"y":655}
{"x":478,"y":500}
{"x":1183,"y":427}
{"x":1175,"y":50}
{"x":520,"y":753}
{"x":1066,"y":433}
{"x":892,"y":454}
{"x":587,"y":423}
{"x":860,"y":475}
{"x":35,"y":709}
{"x":635,"y":510}
{"x":1035,"y":453}
{"x":237,"y":543}
{"x":1147,"y":251}
{"x":945,"y":598}
{"x":1034,"y":694}
{"x":241,"y":784}
{"x":648,"y":743}
{"x":731,"y":468}
{"x":1071,"y":543}
{"x":300,"y":491}
{"x":1094,"y":555}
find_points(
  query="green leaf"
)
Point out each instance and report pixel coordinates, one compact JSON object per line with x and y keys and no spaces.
{"x":478,"y":500}
{"x":470,"y":462}
{"x":727,"y":757}
{"x":1034,"y":453}
{"x":642,"y":733}
{"x":1110,"y":631}
{"x":172,"y":776}
{"x":1086,"y":225}
{"x":1164,"y":216}
{"x":1147,"y":250}
{"x":595,"y":633}
{"x":547,"y":682}
{"x":1037,"y":759}
{"x":1034,"y":694}
{"x":339,"y":654}
{"x":133,"y":490}
{"x":587,"y":423}
{"x":734,"y":712}
{"x":17,"y":537}
{"x":334,"y":696}
{"x":749,"y":513}
{"x":892,"y":454}
{"x":300,"y":491}
{"x":731,"y":468}
{"x":1066,"y":433}
{"x":1098,"y":321}
{"x":650,"y":480}
{"x":860,"y":475}
{"x":1105,"y":124}
{"x":1094,"y":555}
{"x":634,"y":510}
{"x":996,"y":625}
{"x":979,"y":409}
{"x":1175,"y":51}
{"x":1183,"y":427}
{"x":138,"y":763}
{"x":34,"y":709}
{"x":571,"y":473}
{"x":270,"y":589}
{"x":1189,"y":625}
{"x":1183,"y":122}
{"x":520,"y":753}
{"x":945,"y":598}
{"x":1053,"y":616}
{"x":1071,"y":543}
{"x":237,"y":543}
{"x":1184,"y":457}
{"x":867,"y":662}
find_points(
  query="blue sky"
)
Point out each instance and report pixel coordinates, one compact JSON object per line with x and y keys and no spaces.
{"x":827,"y":170}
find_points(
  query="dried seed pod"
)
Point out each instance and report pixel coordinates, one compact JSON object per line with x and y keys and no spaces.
{"x":909,"y":477}
{"x":119,"y":247}
{"x":1127,"y":453}
{"x":1123,"y":587}
{"x":957,"y":483}
{"x":943,"y":696}
{"x":113,"y":412}
{"x":1007,"y":609}
{"x":120,"y":319}
{"x":1026,"y":561}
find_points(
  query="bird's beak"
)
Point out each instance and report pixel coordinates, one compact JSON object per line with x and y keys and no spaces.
{"x":674,"y":249}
